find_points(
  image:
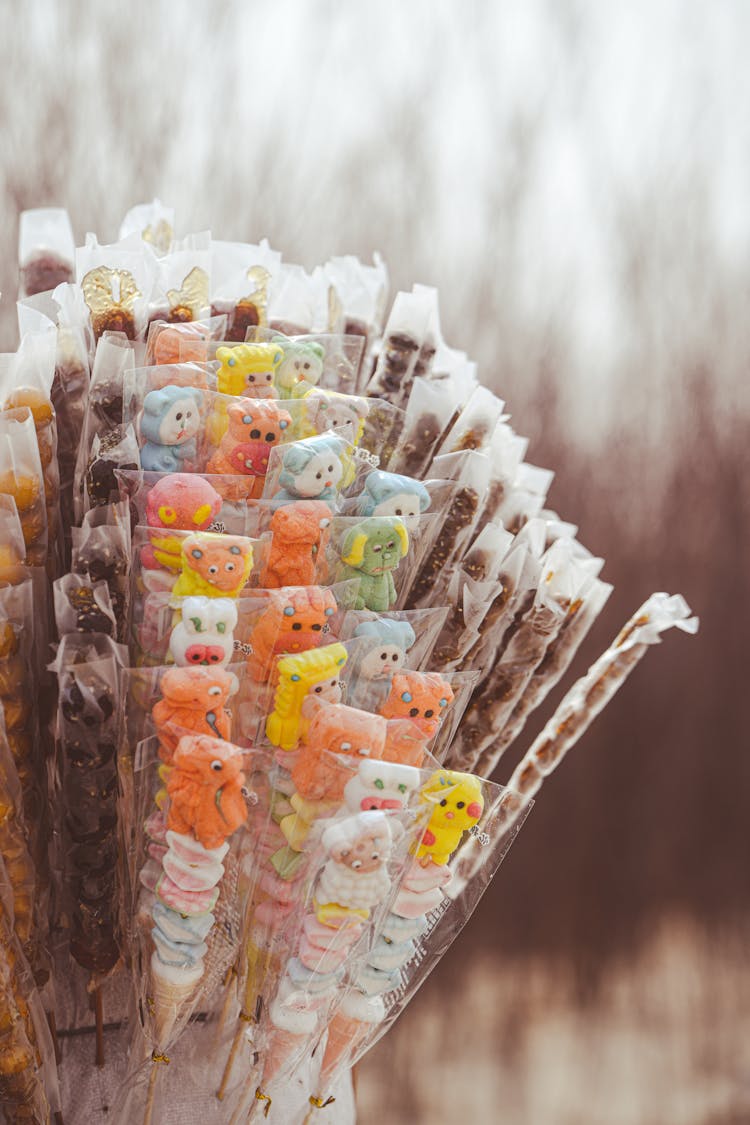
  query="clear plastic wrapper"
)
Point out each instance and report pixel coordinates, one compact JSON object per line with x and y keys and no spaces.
{"x":22,"y":479}
{"x":198,"y":865}
{"x":471,"y":471}
{"x":580,"y":617}
{"x":388,"y":642}
{"x":292,"y":301}
{"x":153,"y":222}
{"x":183,"y":280}
{"x":88,"y":668}
{"x":117,"y":282}
{"x":526,"y":497}
{"x":427,"y":414}
{"x":29,"y":1090}
{"x":470,"y":592}
{"x":317,"y":468}
{"x":589,"y":695}
{"x":361,"y":293}
{"x":82,"y":606}
{"x":328,"y":361}
{"x":19,"y":869}
{"x":475,"y":425}
{"x":101,"y":549}
{"x":459,"y":851}
{"x":46,"y":250}
{"x":409,"y":344}
{"x":562,"y":579}
{"x":184,"y":342}
{"x":380,"y":553}
{"x":241,"y":275}
{"x":26,"y":382}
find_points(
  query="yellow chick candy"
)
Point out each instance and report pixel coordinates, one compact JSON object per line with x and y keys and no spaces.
{"x":458,"y":805}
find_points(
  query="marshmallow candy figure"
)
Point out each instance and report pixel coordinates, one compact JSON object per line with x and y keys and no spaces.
{"x":205,"y":633}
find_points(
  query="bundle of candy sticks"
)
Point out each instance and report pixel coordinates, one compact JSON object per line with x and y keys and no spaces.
{"x":285,"y":589}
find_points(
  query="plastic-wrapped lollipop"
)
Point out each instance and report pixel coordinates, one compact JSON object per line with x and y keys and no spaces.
{"x":453,"y":859}
{"x":46,"y":250}
{"x":590,"y":694}
{"x":206,"y":806}
{"x":353,"y":881}
{"x":299,"y":535}
{"x":370,"y":551}
{"x":561,"y":582}
{"x":28,"y":1077}
{"x":88,"y":668}
{"x":472,"y":471}
{"x":579,"y":620}
{"x":254,"y":427}
{"x":304,"y":680}
{"x":22,"y":479}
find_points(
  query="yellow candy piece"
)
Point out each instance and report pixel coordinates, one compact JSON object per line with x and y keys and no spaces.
{"x":457,"y":806}
{"x":299,"y":675}
{"x":246,"y":369}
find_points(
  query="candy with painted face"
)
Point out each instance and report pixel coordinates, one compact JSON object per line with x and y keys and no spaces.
{"x":355,"y":878}
{"x":311,"y":470}
{"x":423,"y":697}
{"x":299,"y":533}
{"x":204,"y":635}
{"x":371,"y":551}
{"x":195,"y":700}
{"x":177,"y":502}
{"x":254,"y":427}
{"x":169,"y":422}
{"x":457,"y":804}
{"x":248,"y":369}
{"x":296,"y":619}
{"x":304,"y":679}
{"x":380,"y":785}
{"x":335,"y":729}
{"x":390,"y":494}
{"x":214,"y":565}
{"x":205,"y":791}
{"x":388,"y":643}
{"x":300,"y":369}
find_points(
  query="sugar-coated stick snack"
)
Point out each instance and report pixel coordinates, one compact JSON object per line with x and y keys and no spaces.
{"x":590,"y":694}
{"x":580,"y":617}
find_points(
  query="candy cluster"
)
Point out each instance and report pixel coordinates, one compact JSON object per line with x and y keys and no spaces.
{"x":303,"y":591}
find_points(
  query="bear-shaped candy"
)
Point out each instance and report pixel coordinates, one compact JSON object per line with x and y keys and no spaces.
{"x":169,"y":422}
{"x":205,"y":634}
{"x":296,"y":556}
{"x":371,"y":551}
{"x":381,"y":785}
{"x":300,"y":369}
{"x":310,"y":470}
{"x":390,"y":494}
{"x":254,"y":426}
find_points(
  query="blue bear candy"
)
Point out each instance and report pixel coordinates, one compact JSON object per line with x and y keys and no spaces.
{"x":311,"y":470}
{"x":390,"y":494}
{"x":169,"y":422}
{"x":376,"y":661}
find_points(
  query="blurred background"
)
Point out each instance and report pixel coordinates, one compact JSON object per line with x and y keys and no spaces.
{"x":575,"y":179}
